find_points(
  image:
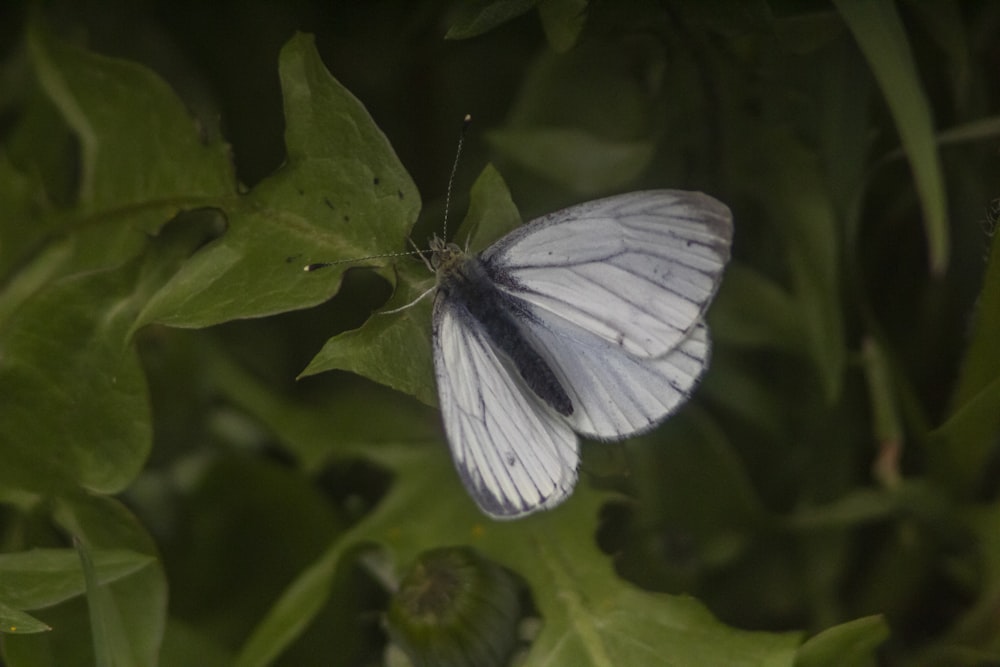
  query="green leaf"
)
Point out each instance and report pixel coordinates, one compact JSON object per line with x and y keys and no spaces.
{"x":981,"y":364}
{"x":111,"y":646}
{"x":142,"y":160}
{"x":480,"y":16}
{"x":132,"y":163}
{"x":16,"y":621}
{"x":43,"y":577}
{"x":881,"y":36}
{"x":140,"y":598}
{"x":395,"y":348}
{"x":850,"y":644}
{"x":492,"y":213}
{"x":342,"y":196}
{"x":67,"y":353}
{"x":974,"y":131}
{"x":591,"y":617}
{"x":68,"y":315}
{"x":963,"y":444}
{"x":391,"y":349}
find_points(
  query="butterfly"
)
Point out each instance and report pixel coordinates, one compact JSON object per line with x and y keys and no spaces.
{"x":587,"y":321}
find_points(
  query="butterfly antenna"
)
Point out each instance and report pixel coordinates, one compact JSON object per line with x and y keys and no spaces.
{"x":454,"y":169}
{"x":322,"y":265}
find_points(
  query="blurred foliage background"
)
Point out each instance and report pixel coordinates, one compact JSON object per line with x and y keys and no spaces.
{"x":182,"y":485}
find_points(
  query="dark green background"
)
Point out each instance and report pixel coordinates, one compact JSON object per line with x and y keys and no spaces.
{"x":829,"y":495}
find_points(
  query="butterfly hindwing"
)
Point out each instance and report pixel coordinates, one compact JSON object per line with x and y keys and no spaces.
{"x":616,"y":394}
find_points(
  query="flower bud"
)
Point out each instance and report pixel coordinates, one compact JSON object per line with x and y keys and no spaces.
{"x":455,"y":607}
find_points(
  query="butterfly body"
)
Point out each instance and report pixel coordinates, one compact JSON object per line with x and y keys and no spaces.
{"x":588,"y":320}
{"x":466,"y":285}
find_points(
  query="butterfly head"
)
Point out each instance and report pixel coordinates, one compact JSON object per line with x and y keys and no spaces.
{"x":445,"y":257}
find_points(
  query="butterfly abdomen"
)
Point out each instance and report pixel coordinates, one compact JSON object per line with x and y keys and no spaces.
{"x":469,"y":289}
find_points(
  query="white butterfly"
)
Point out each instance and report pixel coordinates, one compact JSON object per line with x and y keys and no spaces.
{"x":588,"y":320}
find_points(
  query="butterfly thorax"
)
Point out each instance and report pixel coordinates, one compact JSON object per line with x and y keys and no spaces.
{"x":446,"y":258}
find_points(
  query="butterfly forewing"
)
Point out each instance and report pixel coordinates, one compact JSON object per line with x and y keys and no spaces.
{"x":638,"y":269}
